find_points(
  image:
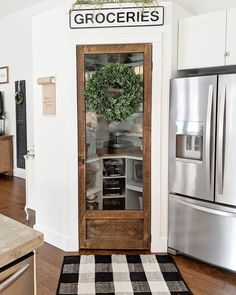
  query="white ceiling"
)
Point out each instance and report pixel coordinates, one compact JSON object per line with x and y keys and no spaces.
{"x":195,"y":6}
{"x":11,"y":6}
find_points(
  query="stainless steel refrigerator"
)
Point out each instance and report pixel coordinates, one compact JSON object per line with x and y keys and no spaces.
{"x":202,"y":168}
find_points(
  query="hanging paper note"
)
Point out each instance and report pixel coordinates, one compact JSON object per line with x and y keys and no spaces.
{"x":49,"y":95}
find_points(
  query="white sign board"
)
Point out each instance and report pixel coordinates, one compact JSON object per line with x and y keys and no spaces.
{"x":117,"y":17}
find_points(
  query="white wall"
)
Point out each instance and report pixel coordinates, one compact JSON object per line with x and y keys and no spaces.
{"x":16,"y":52}
{"x":56,"y":176}
{"x":55,"y":137}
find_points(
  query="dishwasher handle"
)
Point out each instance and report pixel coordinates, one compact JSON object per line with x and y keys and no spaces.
{"x":9,"y":281}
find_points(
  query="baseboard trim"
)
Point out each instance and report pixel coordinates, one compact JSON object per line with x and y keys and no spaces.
{"x":53,"y":238}
{"x":172,"y":251}
{"x":18,"y":172}
{"x":160,"y":246}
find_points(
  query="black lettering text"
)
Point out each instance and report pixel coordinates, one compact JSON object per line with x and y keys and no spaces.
{"x":111,"y":17}
{"x":145,"y":16}
{"x":89,"y":18}
{"x":154,"y":16}
{"x":130,"y":16}
{"x":138,"y":16}
{"x":100,"y":18}
{"x":120,"y":17}
{"x":79,"y":19}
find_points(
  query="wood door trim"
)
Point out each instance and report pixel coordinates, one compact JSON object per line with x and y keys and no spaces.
{"x":147,"y":145}
{"x":117,"y":48}
{"x":130,"y":245}
{"x":81,"y":140}
{"x":114,"y":214}
{"x":144,"y":215}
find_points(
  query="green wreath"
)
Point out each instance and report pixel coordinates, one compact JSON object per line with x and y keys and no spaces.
{"x":19,"y":97}
{"x":115,"y":92}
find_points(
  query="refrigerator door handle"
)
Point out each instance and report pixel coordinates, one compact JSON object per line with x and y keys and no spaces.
{"x":205,"y":209}
{"x":220,"y":142}
{"x":208,"y":134}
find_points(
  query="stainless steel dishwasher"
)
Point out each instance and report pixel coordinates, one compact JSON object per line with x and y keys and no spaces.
{"x":17,"y":278}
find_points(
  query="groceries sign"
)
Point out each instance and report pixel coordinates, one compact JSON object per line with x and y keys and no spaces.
{"x":117,"y":17}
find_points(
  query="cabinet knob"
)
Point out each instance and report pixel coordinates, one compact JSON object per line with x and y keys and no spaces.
{"x":227,"y":53}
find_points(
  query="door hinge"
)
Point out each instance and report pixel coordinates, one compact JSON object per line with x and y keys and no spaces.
{"x":152,"y":65}
{"x":81,"y":160}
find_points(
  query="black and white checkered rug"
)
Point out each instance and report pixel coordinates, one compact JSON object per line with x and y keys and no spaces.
{"x":121,"y":275}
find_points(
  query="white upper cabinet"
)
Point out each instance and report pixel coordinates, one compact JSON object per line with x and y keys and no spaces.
{"x":202,"y":40}
{"x":231,"y":37}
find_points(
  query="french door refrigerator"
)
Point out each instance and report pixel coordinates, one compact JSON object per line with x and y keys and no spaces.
{"x":202,"y":168}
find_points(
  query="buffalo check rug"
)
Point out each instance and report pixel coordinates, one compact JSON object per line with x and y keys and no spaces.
{"x":121,"y":275}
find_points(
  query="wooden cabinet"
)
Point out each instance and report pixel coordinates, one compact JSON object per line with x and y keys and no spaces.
{"x":207,"y":40}
{"x":6,"y":155}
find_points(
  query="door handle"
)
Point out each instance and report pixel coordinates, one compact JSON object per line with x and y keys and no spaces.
{"x":220,"y":141}
{"x":205,"y":209}
{"x":9,"y":281}
{"x":208,"y":134}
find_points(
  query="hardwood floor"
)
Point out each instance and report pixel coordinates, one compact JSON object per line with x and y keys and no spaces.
{"x":202,"y":278}
{"x":12,"y":197}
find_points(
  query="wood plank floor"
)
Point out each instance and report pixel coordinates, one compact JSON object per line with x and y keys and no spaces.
{"x":202,"y":278}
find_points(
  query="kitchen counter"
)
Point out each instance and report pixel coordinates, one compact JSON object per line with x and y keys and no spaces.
{"x":16,"y":240}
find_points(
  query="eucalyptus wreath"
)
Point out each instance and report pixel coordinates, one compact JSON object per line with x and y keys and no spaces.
{"x":114,"y":92}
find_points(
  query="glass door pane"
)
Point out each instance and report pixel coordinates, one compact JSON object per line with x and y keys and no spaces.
{"x":114,"y":146}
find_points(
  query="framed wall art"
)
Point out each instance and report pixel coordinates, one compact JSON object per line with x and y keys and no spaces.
{"x":4,"y":75}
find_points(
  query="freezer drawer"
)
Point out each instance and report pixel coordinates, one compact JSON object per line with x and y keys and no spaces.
{"x":203,"y":230}
{"x":18,"y":278}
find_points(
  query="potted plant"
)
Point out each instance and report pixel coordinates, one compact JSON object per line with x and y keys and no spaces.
{"x":101,"y":2}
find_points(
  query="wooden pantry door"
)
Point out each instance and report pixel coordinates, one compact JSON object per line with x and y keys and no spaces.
{"x":114,"y":154}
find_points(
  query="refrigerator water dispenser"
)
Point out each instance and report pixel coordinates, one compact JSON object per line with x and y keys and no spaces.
{"x":189,"y":141}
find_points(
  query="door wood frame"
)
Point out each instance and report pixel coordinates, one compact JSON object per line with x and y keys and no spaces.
{"x":130,"y":219}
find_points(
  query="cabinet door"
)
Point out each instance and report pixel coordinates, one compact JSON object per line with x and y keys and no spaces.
{"x":202,"y":41}
{"x":231,"y":37}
